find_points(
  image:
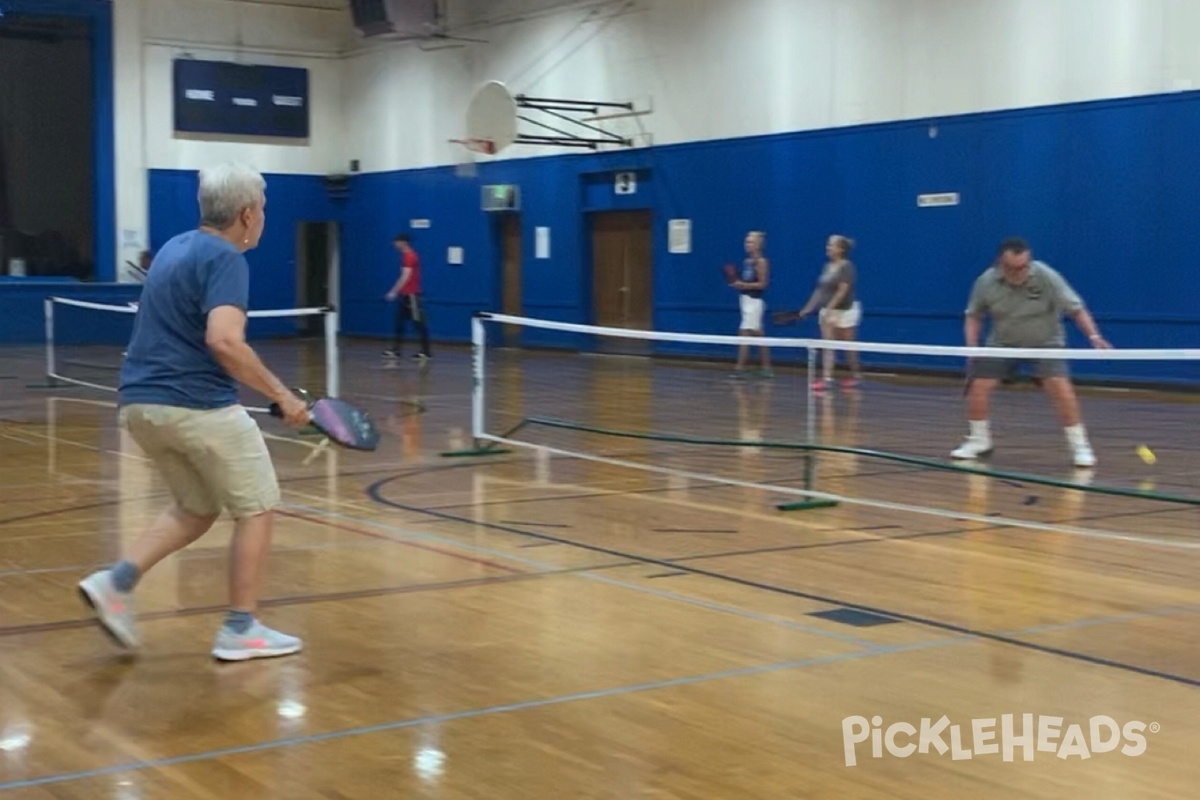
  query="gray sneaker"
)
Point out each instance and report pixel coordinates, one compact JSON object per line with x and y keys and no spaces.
{"x":258,"y":641}
{"x":113,"y":609}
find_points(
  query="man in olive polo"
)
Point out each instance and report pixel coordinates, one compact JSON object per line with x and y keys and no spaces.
{"x":1026,"y":301}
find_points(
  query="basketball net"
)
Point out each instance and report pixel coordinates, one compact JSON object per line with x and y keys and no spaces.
{"x":468,"y":151}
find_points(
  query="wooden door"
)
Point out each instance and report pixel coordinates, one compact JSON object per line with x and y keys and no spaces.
{"x":622,"y":272}
{"x":509,"y":231}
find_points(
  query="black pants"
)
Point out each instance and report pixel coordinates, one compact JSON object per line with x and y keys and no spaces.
{"x":408,"y":306}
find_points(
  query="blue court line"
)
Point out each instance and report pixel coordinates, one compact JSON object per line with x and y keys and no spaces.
{"x":1133,"y":616}
{"x":434,"y":719}
{"x":375,"y":492}
{"x":1033,"y":631}
{"x":543,"y":565}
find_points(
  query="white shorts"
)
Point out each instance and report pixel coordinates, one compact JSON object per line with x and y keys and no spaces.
{"x":752,"y":312}
{"x":842,"y":318}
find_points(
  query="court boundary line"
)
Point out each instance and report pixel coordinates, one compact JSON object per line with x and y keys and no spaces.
{"x":707,"y":485}
{"x":375,"y":492}
{"x":979,"y":527}
{"x":189,"y":554}
{"x":1037,"y":630}
{"x":902,"y":537}
{"x":81,"y":623}
{"x":283,"y":481}
{"x":719,"y":576}
{"x":710,"y":605}
{"x":453,"y":716}
{"x":284,"y":512}
{"x":883,"y":505}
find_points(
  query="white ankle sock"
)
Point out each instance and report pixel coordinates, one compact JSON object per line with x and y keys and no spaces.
{"x":981,"y":429}
{"x":1076,"y":435}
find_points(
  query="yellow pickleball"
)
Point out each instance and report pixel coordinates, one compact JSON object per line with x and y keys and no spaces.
{"x":1146,"y":454}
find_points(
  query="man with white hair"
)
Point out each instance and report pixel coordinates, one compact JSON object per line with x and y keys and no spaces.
{"x":179,"y":401}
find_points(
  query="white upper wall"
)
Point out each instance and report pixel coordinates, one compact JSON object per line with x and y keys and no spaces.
{"x":402,"y":105}
{"x":713,"y":69}
{"x":149,"y":34}
{"x":726,"y":68}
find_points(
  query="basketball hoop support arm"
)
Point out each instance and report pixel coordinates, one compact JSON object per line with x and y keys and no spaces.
{"x":554,"y":107}
{"x":494,"y":113}
{"x":568,"y":105}
{"x":567,"y":139}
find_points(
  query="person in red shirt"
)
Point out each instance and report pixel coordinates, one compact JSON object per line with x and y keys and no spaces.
{"x":408,"y":291}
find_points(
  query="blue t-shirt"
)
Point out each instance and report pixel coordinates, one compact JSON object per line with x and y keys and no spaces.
{"x":168,"y":362}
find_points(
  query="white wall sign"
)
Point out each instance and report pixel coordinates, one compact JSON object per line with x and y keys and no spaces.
{"x":935,"y":200}
{"x":455,"y":255}
{"x":679,"y":236}
{"x":419,"y":224}
{"x":542,"y":243}
{"x":625,"y":183}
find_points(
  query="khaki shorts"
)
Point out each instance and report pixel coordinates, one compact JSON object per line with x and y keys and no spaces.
{"x":212,"y":461}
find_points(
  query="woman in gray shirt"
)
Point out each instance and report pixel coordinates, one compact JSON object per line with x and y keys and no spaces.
{"x":837,"y":297}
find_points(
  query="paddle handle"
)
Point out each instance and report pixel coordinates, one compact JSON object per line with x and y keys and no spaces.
{"x":303,"y":394}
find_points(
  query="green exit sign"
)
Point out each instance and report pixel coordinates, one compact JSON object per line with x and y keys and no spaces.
{"x":501,"y":197}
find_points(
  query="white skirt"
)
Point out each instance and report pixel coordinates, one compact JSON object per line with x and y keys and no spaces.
{"x":752,"y":312}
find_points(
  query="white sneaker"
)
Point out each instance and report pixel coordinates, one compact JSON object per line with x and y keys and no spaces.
{"x":113,"y":609}
{"x":972,"y":448}
{"x":258,"y":641}
{"x":1084,"y":457}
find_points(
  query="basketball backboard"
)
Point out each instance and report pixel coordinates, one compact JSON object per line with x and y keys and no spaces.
{"x":494,"y":118}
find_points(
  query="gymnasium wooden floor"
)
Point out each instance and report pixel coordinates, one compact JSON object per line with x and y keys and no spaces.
{"x":531,"y":626}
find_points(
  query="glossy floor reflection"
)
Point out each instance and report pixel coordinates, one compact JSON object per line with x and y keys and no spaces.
{"x":533,"y":626}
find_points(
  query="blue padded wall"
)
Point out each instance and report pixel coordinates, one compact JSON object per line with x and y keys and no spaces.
{"x":291,"y":200}
{"x":1105,"y":191}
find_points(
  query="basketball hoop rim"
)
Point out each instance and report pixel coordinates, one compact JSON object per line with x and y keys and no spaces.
{"x":485,"y":146}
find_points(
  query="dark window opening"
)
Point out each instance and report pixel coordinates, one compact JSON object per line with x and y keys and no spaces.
{"x":47,"y":153}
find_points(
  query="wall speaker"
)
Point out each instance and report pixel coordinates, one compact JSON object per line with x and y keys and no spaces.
{"x":396,"y":19}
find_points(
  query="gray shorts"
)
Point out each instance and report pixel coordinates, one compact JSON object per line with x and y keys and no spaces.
{"x":1009,"y":369}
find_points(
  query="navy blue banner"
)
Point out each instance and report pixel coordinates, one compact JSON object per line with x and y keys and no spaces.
{"x":240,"y":99}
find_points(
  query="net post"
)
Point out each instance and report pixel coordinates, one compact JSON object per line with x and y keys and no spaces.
{"x":333,"y":376}
{"x":478,"y":344}
{"x":810,"y":406}
{"x":478,"y":355}
{"x":50,"y":368}
{"x":52,"y":381}
{"x":810,"y":440}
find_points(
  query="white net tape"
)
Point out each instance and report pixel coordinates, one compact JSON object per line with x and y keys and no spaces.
{"x":113,"y":340}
